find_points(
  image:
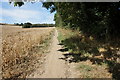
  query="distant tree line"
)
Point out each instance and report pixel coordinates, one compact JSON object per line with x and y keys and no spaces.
{"x":30,"y":25}
{"x":18,"y":24}
{"x":43,"y":25}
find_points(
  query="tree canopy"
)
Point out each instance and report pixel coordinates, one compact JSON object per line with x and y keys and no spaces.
{"x":98,"y":19}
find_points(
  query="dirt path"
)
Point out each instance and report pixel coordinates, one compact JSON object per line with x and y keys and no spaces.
{"x":54,"y":66}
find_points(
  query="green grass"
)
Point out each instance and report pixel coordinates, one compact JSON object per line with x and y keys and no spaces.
{"x":63,"y":37}
{"x":77,"y":43}
{"x":60,"y":37}
{"x":65,"y":33}
{"x":88,"y":49}
{"x":85,"y":68}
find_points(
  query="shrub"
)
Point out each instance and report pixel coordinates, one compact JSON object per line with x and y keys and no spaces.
{"x":27,"y":25}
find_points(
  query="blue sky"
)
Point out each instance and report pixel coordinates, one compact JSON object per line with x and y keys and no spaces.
{"x":30,"y":12}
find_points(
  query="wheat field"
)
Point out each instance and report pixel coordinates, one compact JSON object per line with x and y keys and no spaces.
{"x":19,"y":46}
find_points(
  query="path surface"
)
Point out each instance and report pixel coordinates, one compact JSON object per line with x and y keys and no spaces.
{"x":54,"y":66}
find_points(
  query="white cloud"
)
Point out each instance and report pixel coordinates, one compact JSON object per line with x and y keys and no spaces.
{"x":26,"y":14}
{"x":19,"y":14}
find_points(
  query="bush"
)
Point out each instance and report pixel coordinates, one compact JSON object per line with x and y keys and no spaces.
{"x":27,"y":25}
{"x":21,"y":24}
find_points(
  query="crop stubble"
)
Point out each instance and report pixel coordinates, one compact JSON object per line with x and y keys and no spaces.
{"x":19,"y":48}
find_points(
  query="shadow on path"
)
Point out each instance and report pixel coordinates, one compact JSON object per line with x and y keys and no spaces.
{"x":82,"y":47}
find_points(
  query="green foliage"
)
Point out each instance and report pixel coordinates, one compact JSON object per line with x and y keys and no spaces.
{"x":85,"y":67}
{"x":27,"y":25}
{"x":21,"y":24}
{"x":58,"y":20}
{"x":17,"y":24}
{"x":60,"y":37}
{"x":101,"y":20}
{"x":19,"y":4}
{"x":43,"y":25}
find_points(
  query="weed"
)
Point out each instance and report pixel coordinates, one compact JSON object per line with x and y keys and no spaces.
{"x":85,"y":68}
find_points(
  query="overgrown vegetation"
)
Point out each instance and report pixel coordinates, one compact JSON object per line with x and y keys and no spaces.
{"x":98,"y":24}
{"x":83,"y":48}
{"x":27,"y":25}
{"x":99,"y":20}
{"x":88,"y":70}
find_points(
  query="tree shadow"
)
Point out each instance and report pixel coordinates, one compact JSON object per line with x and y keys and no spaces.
{"x":60,"y":44}
{"x":83,"y":47}
{"x":113,"y":67}
{"x":63,"y":50}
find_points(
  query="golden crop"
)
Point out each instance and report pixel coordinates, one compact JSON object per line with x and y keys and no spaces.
{"x":18,"y":44}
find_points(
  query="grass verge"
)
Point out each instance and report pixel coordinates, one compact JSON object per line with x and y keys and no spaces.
{"x":83,"y":49}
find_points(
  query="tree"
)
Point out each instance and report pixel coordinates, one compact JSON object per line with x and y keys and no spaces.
{"x":27,"y":25}
{"x":21,"y":24}
{"x":100,"y":20}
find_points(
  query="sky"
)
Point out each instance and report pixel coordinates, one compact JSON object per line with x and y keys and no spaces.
{"x":29,"y":12}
